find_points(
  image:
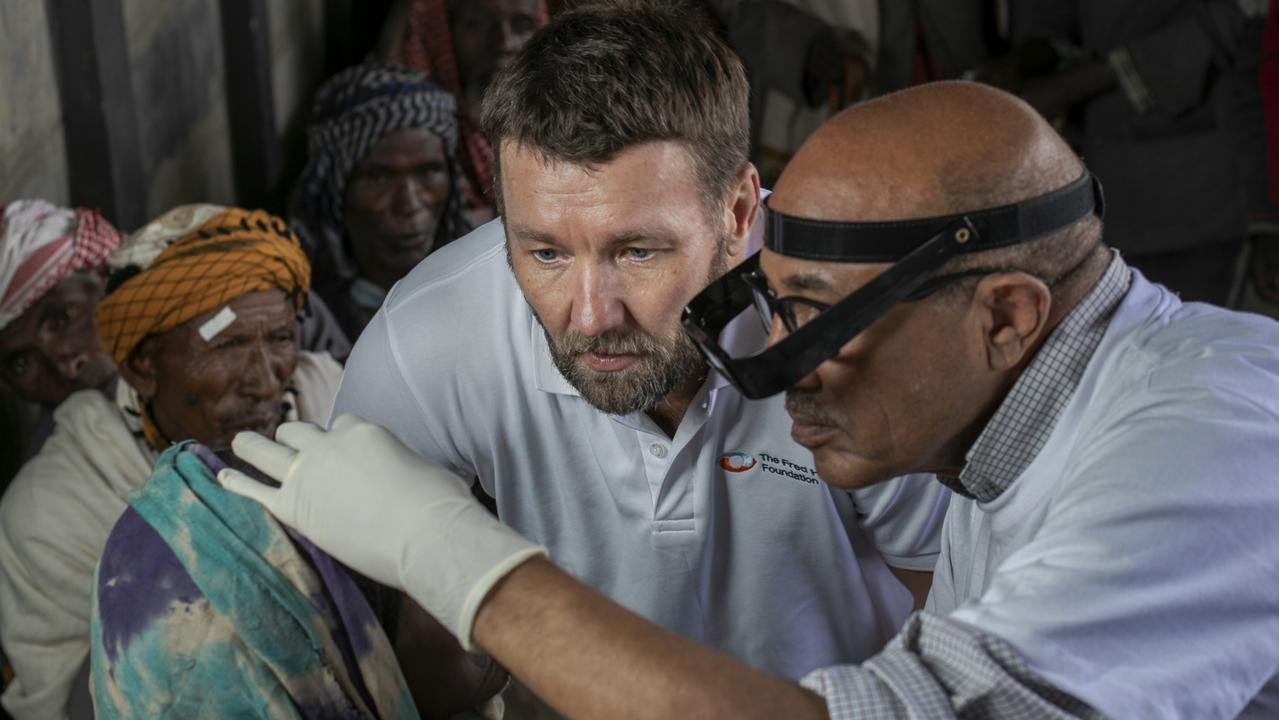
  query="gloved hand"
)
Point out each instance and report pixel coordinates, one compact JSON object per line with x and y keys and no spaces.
{"x":365,"y":498}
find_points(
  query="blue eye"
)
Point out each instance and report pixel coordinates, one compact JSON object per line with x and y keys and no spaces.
{"x":639,"y":253}
{"x":546,"y":256}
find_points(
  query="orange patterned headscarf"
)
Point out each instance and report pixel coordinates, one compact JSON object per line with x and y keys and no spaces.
{"x":190,"y":261}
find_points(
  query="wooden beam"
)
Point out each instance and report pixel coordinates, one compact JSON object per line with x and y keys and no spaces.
{"x":100,"y":129}
{"x":250,"y":100}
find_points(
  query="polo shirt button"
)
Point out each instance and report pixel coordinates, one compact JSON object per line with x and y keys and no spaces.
{"x":658,"y":450}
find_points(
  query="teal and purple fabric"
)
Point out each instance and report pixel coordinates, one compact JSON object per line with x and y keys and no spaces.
{"x":206,"y":607}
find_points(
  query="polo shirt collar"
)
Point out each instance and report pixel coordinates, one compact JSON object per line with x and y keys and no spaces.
{"x":1022,"y":424}
{"x":547,"y":377}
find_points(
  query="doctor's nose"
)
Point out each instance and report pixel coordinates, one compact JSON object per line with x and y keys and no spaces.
{"x":777,"y":331}
{"x":597,"y":304}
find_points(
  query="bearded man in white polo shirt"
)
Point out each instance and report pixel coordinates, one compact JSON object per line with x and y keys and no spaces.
{"x":544,"y":357}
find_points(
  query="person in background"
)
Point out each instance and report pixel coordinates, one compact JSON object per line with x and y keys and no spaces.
{"x":461,"y":44}
{"x":793,"y":59}
{"x":1163,"y":99}
{"x":922,"y":41}
{"x":380,"y":190}
{"x":809,"y":59}
{"x":52,"y":275}
{"x":200,"y":317}
{"x":1264,"y":229}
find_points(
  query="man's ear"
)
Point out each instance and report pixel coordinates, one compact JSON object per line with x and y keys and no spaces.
{"x":1013,"y":309}
{"x":742,"y":212}
{"x":140,"y":369}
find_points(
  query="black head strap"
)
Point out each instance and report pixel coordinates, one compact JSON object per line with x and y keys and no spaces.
{"x":893,"y":240}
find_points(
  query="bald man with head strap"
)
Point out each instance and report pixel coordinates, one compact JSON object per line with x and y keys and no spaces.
{"x":941,"y":300}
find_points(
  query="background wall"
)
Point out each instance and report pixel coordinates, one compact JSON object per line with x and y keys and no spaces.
{"x":181,"y":130}
{"x":178,"y":84}
{"x":32,"y":158}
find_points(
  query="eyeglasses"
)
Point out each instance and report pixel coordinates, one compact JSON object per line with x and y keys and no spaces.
{"x":797,"y":312}
{"x":826,"y":331}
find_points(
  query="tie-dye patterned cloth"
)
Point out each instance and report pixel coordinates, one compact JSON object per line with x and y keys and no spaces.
{"x":205,"y":607}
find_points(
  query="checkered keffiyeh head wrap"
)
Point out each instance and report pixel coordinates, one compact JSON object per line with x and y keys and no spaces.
{"x":41,"y":244}
{"x":192,"y":260}
{"x":355,"y":109}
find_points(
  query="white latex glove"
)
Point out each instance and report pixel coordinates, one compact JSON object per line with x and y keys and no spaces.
{"x":365,"y":498}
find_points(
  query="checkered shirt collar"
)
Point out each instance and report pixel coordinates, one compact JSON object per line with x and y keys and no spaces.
{"x":1020,"y":427}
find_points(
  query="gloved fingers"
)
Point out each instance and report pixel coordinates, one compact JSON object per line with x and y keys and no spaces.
{"x":241,"y":484}
{"x":270,"y":457}
{"x":298,"y":434}
{"x":446,"y":475}
{"x":344,"y":421}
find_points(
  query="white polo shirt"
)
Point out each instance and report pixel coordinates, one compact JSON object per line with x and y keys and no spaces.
{"x":723,"y":533}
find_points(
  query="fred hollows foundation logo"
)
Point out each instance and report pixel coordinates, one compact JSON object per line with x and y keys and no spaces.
{"x":737,"y":461}
{"x":740,"y":461}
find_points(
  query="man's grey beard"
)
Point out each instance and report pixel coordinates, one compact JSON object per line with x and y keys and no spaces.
{"x":662,"y":366}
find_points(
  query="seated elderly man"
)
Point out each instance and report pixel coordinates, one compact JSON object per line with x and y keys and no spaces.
{"x":52,"y":275}
{"x":203,"y":605}
{"x":380,"y":189}
{"x":201,"y":318}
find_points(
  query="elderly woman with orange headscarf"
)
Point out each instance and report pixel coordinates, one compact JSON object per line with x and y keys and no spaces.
{"x":201,"y":318}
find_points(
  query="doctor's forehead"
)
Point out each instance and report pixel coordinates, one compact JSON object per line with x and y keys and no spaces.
{"x":813,"y":278}
{"x":910,"y":153}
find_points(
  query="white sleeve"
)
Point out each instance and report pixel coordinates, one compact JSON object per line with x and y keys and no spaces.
{"x":940,"y":669}
{"x":1151,"y":587}
{"x":44,"y":594}
{"x":904,"y":518}
{"x":422,"y":408}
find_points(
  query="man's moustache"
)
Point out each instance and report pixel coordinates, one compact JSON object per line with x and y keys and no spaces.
{"x":273,"y":411}
{"x":608,"y":344}
{"x":807,"y":407}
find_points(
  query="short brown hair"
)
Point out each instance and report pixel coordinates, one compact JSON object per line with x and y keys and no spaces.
{"x":603,"y":78}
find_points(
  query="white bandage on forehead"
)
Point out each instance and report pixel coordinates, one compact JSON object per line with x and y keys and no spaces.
{"x":217,"y":323}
